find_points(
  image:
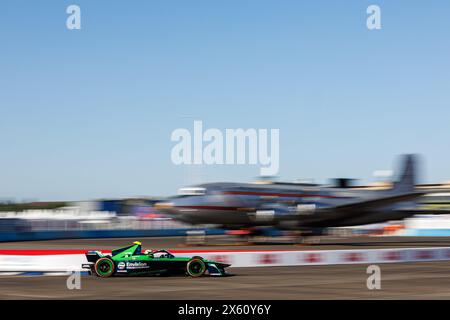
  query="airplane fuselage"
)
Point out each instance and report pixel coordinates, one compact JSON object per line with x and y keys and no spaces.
{"x":293,"y":206}
{"x":289,"y":206}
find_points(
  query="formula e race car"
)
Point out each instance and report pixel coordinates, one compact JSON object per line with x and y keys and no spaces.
{"x":131,"y":261}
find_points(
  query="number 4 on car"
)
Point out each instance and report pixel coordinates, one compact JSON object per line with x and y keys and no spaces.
{"x":131,"y":260}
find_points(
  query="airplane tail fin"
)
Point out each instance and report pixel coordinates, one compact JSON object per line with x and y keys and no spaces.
{"x":407,"y":179}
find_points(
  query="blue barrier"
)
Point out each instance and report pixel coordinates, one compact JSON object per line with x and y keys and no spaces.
{"x":55,"y":235}
{"x":427,"y":232}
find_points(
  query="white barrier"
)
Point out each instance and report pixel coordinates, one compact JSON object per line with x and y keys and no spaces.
{"x":329,"y":257}
{"x":38,"y":263}
{"x":72,"y":262}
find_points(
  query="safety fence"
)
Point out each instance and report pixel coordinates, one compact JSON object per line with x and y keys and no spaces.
{"x":89,"y":234}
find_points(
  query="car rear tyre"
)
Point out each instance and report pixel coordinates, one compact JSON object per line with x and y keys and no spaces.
{"x":104,"y":267}
{"x":196,"y":267}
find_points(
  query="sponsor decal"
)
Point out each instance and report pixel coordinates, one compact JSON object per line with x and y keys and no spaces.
{"x":136,"y":265}
{"x":267,"y":258}
{"x":313,"y":257}
{"x":121,"y":265}
{"x":392,"y":255}
{"x":222,"y":258}
{"x":424,"y":255}
{"x":353,"y":257}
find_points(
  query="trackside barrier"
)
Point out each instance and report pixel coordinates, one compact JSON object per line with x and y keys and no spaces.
{"x":94,"y":234}
{"x":71,"y":260}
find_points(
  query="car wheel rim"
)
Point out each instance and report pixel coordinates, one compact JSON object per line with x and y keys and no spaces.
{"x":196,"y":268}
{"x":104,"y":268}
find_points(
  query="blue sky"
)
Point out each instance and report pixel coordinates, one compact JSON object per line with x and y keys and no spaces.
{"x":88,"y":113}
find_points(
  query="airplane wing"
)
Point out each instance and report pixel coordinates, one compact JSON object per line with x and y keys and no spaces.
{"x":376,"y":217}
{"x":359,"y":212}
{"x":414,"y":211}
{"x":377,"y":202}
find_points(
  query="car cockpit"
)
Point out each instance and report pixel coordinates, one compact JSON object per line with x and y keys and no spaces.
{"x":159,"y":254}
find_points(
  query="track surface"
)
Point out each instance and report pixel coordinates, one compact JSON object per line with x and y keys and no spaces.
{"x":398,"y":281}
{"x":220,"y":242}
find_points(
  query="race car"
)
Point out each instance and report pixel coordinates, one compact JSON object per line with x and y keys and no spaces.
{"x":131,"y":261}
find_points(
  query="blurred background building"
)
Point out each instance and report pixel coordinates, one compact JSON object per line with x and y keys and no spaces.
{"x":140,"y":214}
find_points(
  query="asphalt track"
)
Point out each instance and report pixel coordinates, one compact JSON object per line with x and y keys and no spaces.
{"x":429,"y":280}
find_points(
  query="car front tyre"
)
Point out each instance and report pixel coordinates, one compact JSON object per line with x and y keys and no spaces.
{"x":196,"y":267}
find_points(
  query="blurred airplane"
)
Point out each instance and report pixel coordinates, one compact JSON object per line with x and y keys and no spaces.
{"x":295,"y":206}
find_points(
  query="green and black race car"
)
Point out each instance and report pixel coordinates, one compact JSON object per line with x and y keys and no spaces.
{"x":131,"y":261}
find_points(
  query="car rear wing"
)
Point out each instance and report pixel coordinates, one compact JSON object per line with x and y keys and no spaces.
{"x":93,"y":256}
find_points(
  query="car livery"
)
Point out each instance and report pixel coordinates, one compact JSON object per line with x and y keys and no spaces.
{"x":131,"y":261}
